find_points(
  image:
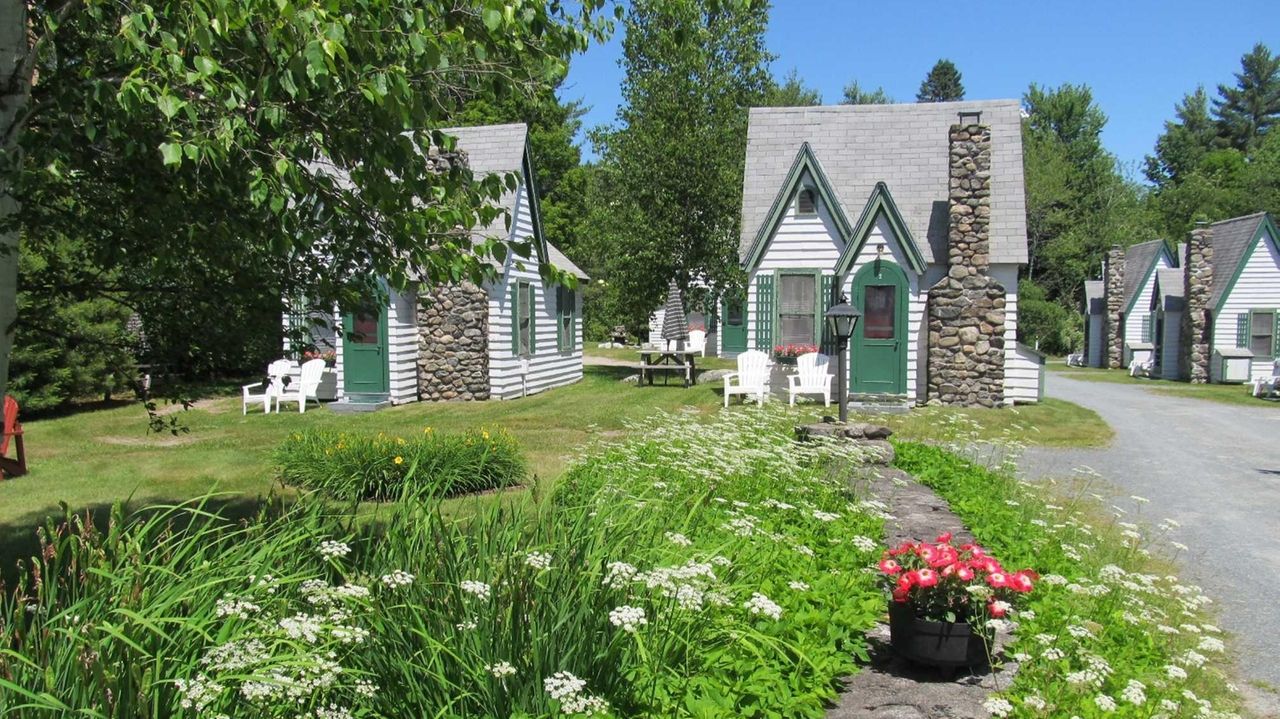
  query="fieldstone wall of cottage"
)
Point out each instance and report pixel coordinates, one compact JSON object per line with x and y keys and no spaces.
{"x":1113,"y":296}
{"x":967,"y":306}
{"x":453,"y":343}
{"x":1198,"y":285}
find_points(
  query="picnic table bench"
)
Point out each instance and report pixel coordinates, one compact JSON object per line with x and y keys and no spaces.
{"x":670,"y":361}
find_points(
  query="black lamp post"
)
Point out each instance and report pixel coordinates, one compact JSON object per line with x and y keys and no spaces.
{"x":841,"y":319}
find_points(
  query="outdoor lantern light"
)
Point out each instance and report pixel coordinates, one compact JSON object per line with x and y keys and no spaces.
{"x":841,"y":319}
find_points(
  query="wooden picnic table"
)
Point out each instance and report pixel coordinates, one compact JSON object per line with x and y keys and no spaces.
{"x":667,"y":360}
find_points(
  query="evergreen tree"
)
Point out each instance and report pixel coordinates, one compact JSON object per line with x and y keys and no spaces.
{"x":692,"y":69}
{"x":942,"y":84}
{"x":855,"y":95}
{"x":1245,"y":112}
{"x":791,"y":92}
{"x":1184,"y":142}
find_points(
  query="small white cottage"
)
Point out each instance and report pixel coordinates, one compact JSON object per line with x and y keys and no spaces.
{"x":917,"y":214}
{"x":512,"y":337}
{"x":1119,"y":321}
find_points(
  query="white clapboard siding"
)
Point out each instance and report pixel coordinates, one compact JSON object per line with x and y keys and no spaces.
{"x":1023,"y":375}
{"x":1258,"y":288}
{"x":548,"y":366}
{"x":1017,"y":386}
{"x":882,"y":236}
{"x":1169,"y":348}
{"x":402,"y":346}
{"x":1133,"y":321}
{"x":800,"y":243}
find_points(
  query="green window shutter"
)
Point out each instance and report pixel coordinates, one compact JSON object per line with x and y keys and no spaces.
{"x":826,"y":299}
{"x":572,"y":297}
{"x":1242,"y":329}
{"x":1146,"y":328}
{"x":533,"y":320}
{"x":515,"y":318}
{"x":1275,"y":334}
{"x":764,"y":313}
{"x":560,"y":318}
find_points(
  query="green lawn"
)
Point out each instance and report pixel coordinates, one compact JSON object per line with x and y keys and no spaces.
{"x":92,"y":459}
{"x":1224,"y":393}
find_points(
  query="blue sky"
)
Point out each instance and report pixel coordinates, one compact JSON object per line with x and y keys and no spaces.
{"x":1139,"y":57}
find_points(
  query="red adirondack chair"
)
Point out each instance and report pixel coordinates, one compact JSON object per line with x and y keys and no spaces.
{"x":17,"y":466}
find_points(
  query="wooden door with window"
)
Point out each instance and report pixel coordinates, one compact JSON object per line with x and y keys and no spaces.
{"x":879,"y":343}
{"x":365,"y":366}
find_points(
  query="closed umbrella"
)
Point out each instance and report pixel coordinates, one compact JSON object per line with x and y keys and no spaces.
{"x":675,"y":326}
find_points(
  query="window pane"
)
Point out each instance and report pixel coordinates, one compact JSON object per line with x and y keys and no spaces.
{"x":796,"y":294}
{"x":805,"y":204}
{"x":878,"y":311}
{"x":1262,"y":323}
{"x":364,"y":329}
{"x":734,"y":315}
{"x":1260,"y":336}
{"x":796,"y":329}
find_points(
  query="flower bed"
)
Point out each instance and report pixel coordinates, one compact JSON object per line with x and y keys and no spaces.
{"x":346,"y":465}
{"x":713,"y":569}
{"x":1106,"y":632}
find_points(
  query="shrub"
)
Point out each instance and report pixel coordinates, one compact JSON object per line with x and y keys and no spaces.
{"x":1108,"y":629}
{"x":353,"y":466}
{"x":700,"y":570}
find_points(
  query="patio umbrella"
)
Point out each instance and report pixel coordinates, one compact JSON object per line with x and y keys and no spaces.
{"x":675,"y":326}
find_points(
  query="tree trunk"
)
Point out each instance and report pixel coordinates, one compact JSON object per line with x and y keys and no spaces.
{"x":15,"y":88}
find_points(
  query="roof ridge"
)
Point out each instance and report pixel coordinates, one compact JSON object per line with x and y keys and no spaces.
{"x":1241,"y":218}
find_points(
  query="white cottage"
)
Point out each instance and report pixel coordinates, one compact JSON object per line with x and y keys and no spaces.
{"x":914,"y":212}
{"x":1120,"y":322}
{"x":511,"y":337}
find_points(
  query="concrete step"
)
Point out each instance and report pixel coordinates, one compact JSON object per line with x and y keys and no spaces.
{"x":878,"y":403}
{"x":354,"y":403}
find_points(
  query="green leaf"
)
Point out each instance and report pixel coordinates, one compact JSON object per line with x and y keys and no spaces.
{"x":172,"y":153}
{"x":492,"y":18}
{"x":169,"y":105}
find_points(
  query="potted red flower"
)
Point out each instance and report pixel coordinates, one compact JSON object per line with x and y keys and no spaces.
{"x":943,"y":599}
{"x":787,"y":354}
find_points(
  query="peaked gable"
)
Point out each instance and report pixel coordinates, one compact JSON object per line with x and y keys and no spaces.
{"x":880,"y":204}
{"x":1234,"y":241}
{"x":1140,"y":263}
{"x":805,"y":163}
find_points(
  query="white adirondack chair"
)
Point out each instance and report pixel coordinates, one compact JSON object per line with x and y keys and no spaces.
{"x":306,"y":386}
{"x":272,"y":387}
{"x":752,"y":377}
{"x":697,"y":342}
{"x":1266,"y":386}
{"x":811,"y":377}
{"x":1138,"y":368}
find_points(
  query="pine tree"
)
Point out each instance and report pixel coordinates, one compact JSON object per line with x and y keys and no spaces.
{"x":1184,"y":142}
{"x":1245,"y":112}
{"x":855,"y":95}
{"x":792,"y":92}
{"x":942,"y":84}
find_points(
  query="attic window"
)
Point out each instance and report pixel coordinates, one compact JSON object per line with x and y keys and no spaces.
{"x":806,"y":203}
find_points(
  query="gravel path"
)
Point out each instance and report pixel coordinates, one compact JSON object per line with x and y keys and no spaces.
{"x":1214,"y":468}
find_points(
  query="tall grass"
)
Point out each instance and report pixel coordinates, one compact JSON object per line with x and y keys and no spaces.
{"x":702,"y":570}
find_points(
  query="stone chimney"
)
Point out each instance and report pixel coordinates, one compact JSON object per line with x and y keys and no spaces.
{"x":1197,"y":277}
{"x":1113,"y":297}
{"x":966,"y":307}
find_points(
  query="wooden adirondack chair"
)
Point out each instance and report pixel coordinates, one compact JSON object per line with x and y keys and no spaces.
{"x":811,"y":377}
{"x":272,"y":388}
{"x":752,"y":377}
{"x":697,"y":342}
{"x":12,"y":430}
{"x":307,"y":386}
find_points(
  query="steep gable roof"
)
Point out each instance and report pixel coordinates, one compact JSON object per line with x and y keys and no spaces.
{"x":880,"y":204}
{"x":1139,"y":262}
{"x":905,"y":147}
{"x":1169,"y":290}
{"x":1232,"y":240}
{"x":503,"y":149}
{"x":804,"y":165}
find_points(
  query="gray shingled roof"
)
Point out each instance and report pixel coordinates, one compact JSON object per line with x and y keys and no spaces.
{"x":1093,"y":297}
{"x":1138,"y":260}
{"x":1230,"y":240}
{"x":500,"y":149}
{"x":1170,"y":290}
{"x":904,"y":146}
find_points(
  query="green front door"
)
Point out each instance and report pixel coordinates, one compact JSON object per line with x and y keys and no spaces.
{"x":365,"y":368}
{"x":879,"y":342}
{"x":734,"y":326}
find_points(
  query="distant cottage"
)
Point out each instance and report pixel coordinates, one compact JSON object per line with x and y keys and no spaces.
{"x":1208,"y":313}
{"x":511,"y":337}
{"x":916,"y":213}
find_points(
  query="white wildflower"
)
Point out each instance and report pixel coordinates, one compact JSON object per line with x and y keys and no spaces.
{"x":865,"y":544}
{"x":1211,"y":644}
{"x":998,"y":706}
{"x":230,"y":606}
{"x":627,"y":617}
{"x":678,"y":539}
{"x":366,"y":688}
{"x":330,"y":549}
{"x":760,"y":604}
{"x":798,"y":586}
{"x":501,"y":670}
{"x":398,"y":578}
{"x":1175,"y":672}
{"x":1134,"y":693}
{"x":619,"y":574}
{"x":541,"y":561}
{"x":479,"y":590}
{"x":822,"y":516}
{"x":1105,"y":703}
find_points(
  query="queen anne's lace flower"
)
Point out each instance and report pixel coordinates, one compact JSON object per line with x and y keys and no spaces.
{"x":798,"y":586}
{"x":627,"y":617}
{"x":678,"y":539}
{"x":619,"y":574}
{"x":1105,"y":703}
{"x":476,"y":589}
{"x":540,"y":561}
{"x":998,"y":706}
{"x":330,"y":549}
{"x":397,"y":579}
{"x":501,"y":670}
{"x":760,"y":604}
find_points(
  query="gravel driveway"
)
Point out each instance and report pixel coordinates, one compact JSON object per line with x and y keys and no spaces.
{"x":1214,"y":468}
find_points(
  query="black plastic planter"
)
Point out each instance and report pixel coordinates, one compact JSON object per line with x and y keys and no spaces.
{"x":946,"y":645}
